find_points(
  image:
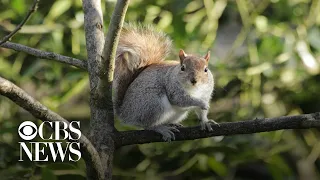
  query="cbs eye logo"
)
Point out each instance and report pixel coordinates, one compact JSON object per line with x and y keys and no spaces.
{"x":27,"y":130}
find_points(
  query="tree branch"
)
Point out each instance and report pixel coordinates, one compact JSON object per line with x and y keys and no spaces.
{"x":100,"y":132}
{"x":46,"y":55}
{"x":112,"y":38}
{"x":303,"y":121}
{"x":109,"y":52}
{"x":31,"y":11}
{"x":102,"y":117}
{"x":41,"y":112}
{"x":93,"y":26}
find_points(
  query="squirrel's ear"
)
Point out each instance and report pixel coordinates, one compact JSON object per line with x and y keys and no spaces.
{"x":207,"y":56}
{"x":182,"y":55}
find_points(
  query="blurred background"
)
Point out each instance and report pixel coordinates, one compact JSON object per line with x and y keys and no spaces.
{"x":265,"y":59}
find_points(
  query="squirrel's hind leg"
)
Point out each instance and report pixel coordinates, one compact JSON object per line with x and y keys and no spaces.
{"x":166,"y":131}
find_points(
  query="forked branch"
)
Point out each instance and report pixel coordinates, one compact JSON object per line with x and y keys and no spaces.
{"x":21,"y":98}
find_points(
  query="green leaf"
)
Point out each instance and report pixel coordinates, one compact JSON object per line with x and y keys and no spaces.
{"x":278,"y":167}
{"x":58,"y":8}
{"x":314,"y":38}
{"x":47,"y":174}
{"x":18,"y":6}
{"x":217,"y":167}
{"x":59,"y":166}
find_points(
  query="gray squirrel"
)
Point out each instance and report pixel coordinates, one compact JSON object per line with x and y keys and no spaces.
{"x":155,"y":94}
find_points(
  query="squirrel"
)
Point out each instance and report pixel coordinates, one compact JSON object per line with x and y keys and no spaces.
{"x":155,"y":94}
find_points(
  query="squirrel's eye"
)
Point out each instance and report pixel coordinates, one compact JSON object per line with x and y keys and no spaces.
{"x":206,"y":69}
{"x":183,"y":67}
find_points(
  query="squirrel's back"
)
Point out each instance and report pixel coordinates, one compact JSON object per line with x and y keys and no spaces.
{"x":139,"y":46}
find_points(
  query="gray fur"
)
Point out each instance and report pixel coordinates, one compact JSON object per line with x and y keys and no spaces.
{"x":143,"y":103}
{"x":154,"y":94}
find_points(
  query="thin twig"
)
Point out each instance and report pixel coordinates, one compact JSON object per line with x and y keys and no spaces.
{"x":46,"y":55}
{"x":24,"y":100}
{"x":31,"y":11}
{"x":303,"y":121}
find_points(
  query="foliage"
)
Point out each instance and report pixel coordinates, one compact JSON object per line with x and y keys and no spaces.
{"x":266,"y":64}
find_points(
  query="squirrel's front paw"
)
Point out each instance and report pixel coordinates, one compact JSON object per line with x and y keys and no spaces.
{"x":206,"y":125}
{"x":167,"y":132}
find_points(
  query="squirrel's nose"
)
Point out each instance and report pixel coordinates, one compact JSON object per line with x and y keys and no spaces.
{"x":193,"y":81}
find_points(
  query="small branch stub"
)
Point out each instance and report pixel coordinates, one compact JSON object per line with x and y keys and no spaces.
{"x":99,"y":26}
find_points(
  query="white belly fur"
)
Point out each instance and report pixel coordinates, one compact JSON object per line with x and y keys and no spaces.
{"x":171,"y":114}
{"x":197,"y":92}
{"x":175,"y":114}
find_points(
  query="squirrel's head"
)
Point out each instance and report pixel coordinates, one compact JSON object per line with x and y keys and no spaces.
{"x":193,"y":70}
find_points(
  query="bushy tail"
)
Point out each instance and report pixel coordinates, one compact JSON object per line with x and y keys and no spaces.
{"x":139,"y":46}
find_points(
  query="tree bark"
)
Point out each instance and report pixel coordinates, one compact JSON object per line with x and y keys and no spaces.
{"x":101,"y":59}
{"x":93,"y":24}
{"x":303,"y":121}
